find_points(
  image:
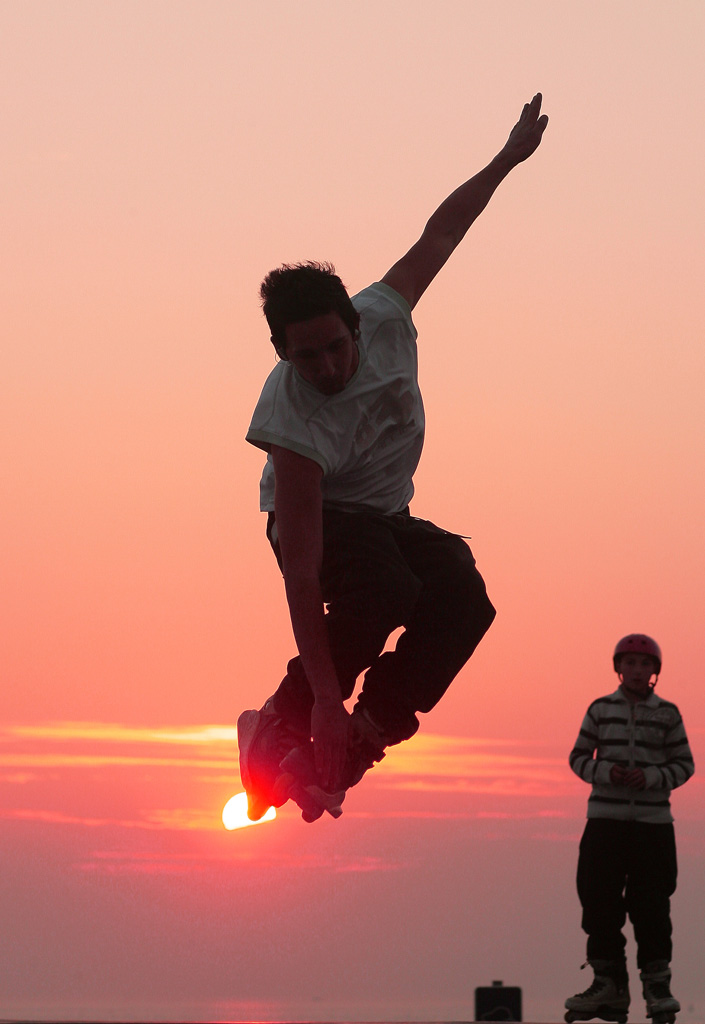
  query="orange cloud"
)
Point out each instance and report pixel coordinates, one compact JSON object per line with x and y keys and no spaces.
{"x":115,"y":760}
{"x":429,"y":762}
{"x":112,"y":733}
{"x":451,"y":764}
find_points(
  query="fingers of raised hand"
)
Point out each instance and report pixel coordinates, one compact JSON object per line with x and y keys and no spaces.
{"x":531,"y":110}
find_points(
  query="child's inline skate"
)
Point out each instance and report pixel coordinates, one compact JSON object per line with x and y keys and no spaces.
{"x":607,"y":997}
{"x":661,"y":1006}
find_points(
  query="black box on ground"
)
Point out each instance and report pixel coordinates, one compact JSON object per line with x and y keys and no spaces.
{"x":498,"y":1002}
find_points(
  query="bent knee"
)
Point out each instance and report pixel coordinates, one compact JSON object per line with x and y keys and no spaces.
{"x":471,"y":594}
{"x":487,"y":612}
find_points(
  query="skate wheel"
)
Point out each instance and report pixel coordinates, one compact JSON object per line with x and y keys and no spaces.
{"x":311,"y":816}
{"x":311,"y":809}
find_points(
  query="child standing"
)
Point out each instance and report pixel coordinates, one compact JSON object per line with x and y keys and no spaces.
{"x":633,"y":750}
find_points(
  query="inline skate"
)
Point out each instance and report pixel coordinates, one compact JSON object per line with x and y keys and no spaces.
{"x":661,"y":1006}
{"x":607,"y":998}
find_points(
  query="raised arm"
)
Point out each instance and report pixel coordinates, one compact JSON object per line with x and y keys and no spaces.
{"x":299,"y":515}
{"x":413,"y":273}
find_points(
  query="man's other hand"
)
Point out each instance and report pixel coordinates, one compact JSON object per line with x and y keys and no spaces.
{"x":330,"y":727}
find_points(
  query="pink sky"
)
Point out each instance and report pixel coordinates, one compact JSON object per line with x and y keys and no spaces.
{"x":158,"y":159}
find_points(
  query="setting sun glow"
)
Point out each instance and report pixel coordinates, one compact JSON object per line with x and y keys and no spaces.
{"x":159,"y":158}
{"x":235,"y":813}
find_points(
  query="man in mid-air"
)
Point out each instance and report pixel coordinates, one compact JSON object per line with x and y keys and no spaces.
{"x":342,"y":422}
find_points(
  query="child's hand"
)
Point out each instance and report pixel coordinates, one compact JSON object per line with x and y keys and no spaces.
{"x":618,"y":775}
{"x":635,"y":779}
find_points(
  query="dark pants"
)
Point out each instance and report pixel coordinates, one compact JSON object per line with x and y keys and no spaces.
{"x":380,"y":572}
{"x":627,"y":867}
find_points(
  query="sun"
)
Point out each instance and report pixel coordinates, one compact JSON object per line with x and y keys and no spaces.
{"x":235,"y":813}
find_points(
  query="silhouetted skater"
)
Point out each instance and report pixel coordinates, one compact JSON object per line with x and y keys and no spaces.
{"x":342,"y":422}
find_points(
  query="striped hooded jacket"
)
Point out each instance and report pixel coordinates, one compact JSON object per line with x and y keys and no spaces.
{"x":649,"y":735}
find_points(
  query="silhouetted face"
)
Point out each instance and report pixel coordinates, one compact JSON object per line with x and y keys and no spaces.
{"x":323,"y":351}
{"x":635,"y":671}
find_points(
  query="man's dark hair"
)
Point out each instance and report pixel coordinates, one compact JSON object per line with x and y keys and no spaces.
{"x":301,"y":291}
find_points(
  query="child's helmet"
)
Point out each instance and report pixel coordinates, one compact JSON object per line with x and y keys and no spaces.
{"x":637,"y":643}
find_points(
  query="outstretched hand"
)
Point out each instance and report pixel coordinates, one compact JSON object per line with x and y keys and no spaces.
{"x":525,"y":136}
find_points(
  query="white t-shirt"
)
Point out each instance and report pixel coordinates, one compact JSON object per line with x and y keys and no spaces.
{"x":367,"y":439}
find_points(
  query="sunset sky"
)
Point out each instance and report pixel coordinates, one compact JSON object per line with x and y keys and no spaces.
{"x":158,"y":157}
